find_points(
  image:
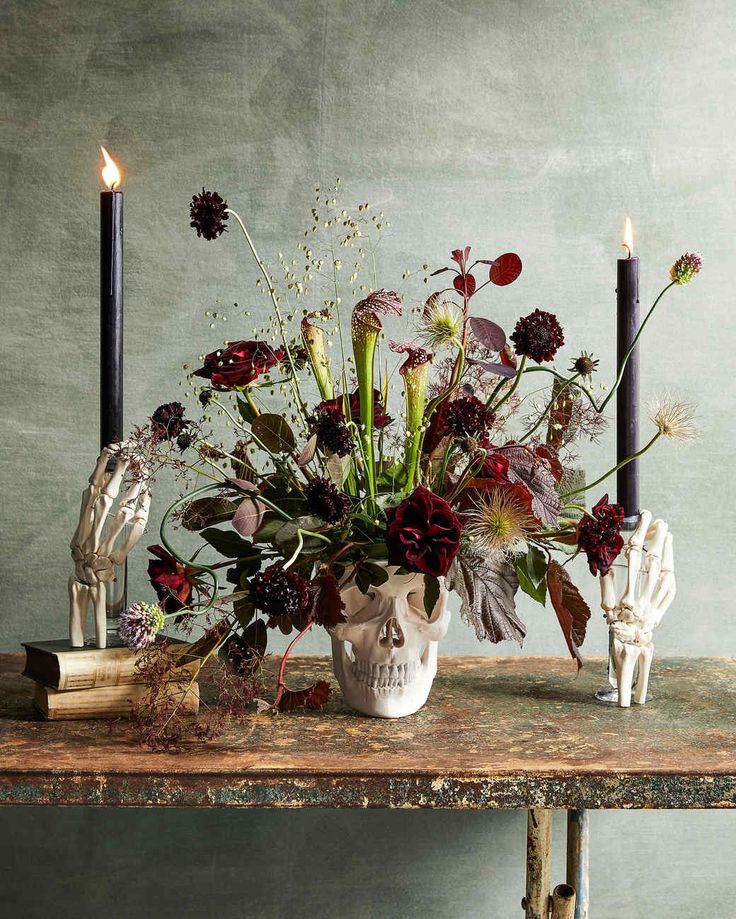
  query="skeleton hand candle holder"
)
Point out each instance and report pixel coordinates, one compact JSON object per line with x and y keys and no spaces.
{"x":388,"y":668}
{"x":649,"y":591}
{"x":95,"y":556}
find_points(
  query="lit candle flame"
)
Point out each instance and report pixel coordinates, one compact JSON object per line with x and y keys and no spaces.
{"x":628,"y":242}
{"x":110,"y":172}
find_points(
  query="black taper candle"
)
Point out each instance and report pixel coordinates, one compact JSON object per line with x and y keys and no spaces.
{"x":627,"y":396}
{"x":111,"y":317}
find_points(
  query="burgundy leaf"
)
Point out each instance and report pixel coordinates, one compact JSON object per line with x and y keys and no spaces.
{"x":500,"y":370}
{"x":464,"y":284}
{"x":460,"y":255}
{"x":312,"y":697}
{"x":249,"y":516}
{"x":505,"y":269}
{"x":328,"y":605}
{"x":439,"y":271}
{"x":487,"y":588}
{"x":488,"y":333}
{"x":536,"y":475}
{"x":572,"y":611}
{"x":241,"y":484}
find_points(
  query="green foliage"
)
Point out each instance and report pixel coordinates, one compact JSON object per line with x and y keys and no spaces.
{"x":531,"y":570}
{"x":274,"y":433}
{"x":227,"y":542}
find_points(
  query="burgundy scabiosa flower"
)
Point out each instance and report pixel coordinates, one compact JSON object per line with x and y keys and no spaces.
{"x":325,"y":501}
{"x":538,"y":336}
{"x":423,"y":533}
{"x":240,"y":364}
{"x":329,"y":425}
{"x":139,"y":625}
{"x":209,"y":213}
{"x":599,"y":535}
{"x":467,"y":417}
{"x":685,"y":268}
{"x":278,"y":592}
{"x":168,"y":421}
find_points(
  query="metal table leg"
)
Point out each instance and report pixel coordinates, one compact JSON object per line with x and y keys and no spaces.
{"x":578,"y":838}
{"x":536,"y":903}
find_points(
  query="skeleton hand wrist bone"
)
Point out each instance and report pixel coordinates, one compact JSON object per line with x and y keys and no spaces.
{"x":95,"y":555}
{"x":649,"y":591}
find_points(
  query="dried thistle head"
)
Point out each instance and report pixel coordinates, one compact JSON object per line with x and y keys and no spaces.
{"x":674,"y":419}
{"x":499,"y":522}
{"x":441,"y":325}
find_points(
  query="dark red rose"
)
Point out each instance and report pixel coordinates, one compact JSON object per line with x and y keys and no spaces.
{"x":239,"y":364}
{"x":423,"y":533}
{"x":171,"y":580}
{"x":380,"y":418}
{"x":599,"y":535}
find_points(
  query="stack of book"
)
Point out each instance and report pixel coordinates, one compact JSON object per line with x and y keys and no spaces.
{"x":76,"y":683}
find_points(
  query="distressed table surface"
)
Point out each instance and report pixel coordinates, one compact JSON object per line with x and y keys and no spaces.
{"x":496,"y":733}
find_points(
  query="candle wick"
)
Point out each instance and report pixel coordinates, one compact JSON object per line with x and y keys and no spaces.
{"x":628,"y":251}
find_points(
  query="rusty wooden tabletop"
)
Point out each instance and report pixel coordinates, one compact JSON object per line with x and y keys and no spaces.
{"x":496,"y":733}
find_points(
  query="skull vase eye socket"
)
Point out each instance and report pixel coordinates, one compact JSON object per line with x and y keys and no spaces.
{"x":385,"y":654}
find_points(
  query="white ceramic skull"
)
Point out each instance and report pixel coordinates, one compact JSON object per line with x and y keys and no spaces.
{"x":391,"y":661}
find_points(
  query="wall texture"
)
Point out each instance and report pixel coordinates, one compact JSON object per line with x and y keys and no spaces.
{"x":529,"y":126}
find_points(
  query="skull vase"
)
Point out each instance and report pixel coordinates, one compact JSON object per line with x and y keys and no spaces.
{"x":385,"y":653}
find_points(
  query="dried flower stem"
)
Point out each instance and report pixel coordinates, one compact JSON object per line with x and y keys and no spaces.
{"x":294,"y":380}
{"x":625,"y":462}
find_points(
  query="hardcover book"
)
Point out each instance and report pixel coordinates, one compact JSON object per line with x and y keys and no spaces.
{"x":58,"y":666}
{"x":104,"y":701}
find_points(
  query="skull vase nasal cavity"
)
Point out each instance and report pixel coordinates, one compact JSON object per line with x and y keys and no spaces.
{"x":385,"y":653}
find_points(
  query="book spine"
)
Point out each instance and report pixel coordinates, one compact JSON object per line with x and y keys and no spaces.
{"x":79,"y":671}
{"x":104,"y":701}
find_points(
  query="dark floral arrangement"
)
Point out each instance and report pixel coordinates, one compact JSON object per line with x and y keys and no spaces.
{"x":318,"y":483}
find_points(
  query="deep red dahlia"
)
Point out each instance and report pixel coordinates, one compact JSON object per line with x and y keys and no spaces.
{"x":168,"y":421}
{"x":240,"y":364}
{"x":325,"y":501}
{"x":599,"y":535}
{"x":278,"y":592}
{"x":538,"y":336}
{"x":467,"y":417}
{"x":328,"y":423}
{"x":171,"y":580}
{"x":423,"y":533}
{"x":209,"y":213}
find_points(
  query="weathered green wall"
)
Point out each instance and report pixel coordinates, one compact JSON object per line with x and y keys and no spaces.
{"x":508,"y":125}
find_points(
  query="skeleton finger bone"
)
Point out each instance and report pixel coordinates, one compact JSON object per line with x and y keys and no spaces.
{"x":633,"y":553}
{"x":650,"y":589}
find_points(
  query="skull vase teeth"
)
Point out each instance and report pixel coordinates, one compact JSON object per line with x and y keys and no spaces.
{"x":385,"y":654}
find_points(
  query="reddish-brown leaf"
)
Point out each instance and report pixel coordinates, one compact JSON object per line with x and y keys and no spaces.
{"x":307,"y":454}
{"x":327,"y":605}
{"x":464,"y":284}
{"x":505,"y":269}
{"x":488,"y":333}
{"x":572,"y":611}
{"x":312,"y":697}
